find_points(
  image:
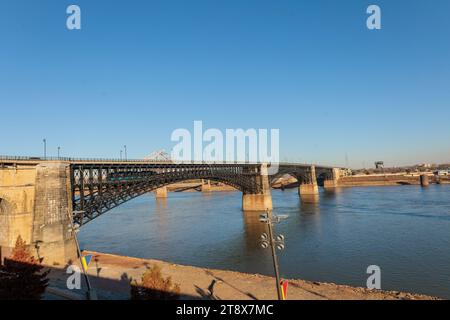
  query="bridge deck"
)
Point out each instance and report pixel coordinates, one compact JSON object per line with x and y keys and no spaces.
{"x":21,"y":160}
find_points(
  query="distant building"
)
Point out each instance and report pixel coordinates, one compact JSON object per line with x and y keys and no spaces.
{"x":379,"y":165}
{"x":346,"y":172}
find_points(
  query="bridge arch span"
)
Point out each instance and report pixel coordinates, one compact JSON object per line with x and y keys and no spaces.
{"x":305,"y":174}
{"x":97,"y":190}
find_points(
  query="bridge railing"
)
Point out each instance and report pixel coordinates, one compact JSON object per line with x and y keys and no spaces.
{"x":72,"y":159}
{"x":115,"y":160}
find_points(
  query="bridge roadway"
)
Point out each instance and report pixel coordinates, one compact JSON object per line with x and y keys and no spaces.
{"x":41,"y":198}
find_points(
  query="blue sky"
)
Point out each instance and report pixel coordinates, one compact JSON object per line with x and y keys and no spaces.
{"x":140,"y":69}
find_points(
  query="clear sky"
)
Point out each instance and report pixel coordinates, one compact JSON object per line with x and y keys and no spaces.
{"x":137,"y":70}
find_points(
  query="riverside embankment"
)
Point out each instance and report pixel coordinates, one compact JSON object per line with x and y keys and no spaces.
{"x":374,"y":180}
{"x":362,"y":180}
{"x":110,"y":276}
{"x":387,"y":180}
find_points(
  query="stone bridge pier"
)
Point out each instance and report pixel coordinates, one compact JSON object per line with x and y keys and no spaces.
{"x":161,"y":193}
{"x":308,"y":183}
{"x":36,"y":204}
{"x":332,"y":179}
{"x":262,"y":200}
{"x":206,"y":185}
{"x":308,"y":177}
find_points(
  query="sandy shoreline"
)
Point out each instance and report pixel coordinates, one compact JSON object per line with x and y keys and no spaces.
{"x":110,"y":275}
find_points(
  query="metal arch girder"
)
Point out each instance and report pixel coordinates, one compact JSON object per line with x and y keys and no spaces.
{"x":303,"y":172}
{"x":98,"y":188}
{"x":299,"y":172}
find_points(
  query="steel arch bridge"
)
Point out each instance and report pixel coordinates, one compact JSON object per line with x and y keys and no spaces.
{"x":97,"y":187}
{"x":52,"y":194}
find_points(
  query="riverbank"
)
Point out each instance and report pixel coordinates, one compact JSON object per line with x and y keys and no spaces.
{"x":372,"y":180}
{"x":388,"y":180}
{"x":196,"y":186}
{"x":110,"y":275}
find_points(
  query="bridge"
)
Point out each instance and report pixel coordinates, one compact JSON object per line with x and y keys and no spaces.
{"x":41,"y":199}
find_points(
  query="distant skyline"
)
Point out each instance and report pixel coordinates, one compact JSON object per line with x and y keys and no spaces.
{"x":138,"y":70}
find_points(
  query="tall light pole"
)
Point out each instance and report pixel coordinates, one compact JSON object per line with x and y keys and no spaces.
{"x":45,"y":147}
{"x":121,"y":154}
{"x":125,"y":148}
{"x":274,"y":243}
{"x":91,"y":294}
{"x":59,"y":149}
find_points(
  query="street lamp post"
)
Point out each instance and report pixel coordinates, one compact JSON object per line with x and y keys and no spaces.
{"x":274,"y":243}
{"x":125,"y":148}
{"x":121,"y":154}
{"x":59,"y":149}
{"x":45,"y":147}
{"x":91,"y":294}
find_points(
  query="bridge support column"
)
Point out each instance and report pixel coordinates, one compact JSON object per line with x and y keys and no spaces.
{"x":424,"y":180}
{"x":161,"y":192}
{"x":52,"y":238}
{"x":332,"y":183}
{"x":309,"y":187}
{"x":263,"y":200}
{"x":206,"y":186}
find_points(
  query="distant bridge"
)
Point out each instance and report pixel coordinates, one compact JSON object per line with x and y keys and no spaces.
{"x":49,"y":194}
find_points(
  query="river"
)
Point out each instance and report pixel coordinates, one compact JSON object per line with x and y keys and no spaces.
{"x":405,"y":230}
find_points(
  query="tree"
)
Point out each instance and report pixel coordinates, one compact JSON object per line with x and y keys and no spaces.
{"x":153,"y":286}
{"x":21,"y":276}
